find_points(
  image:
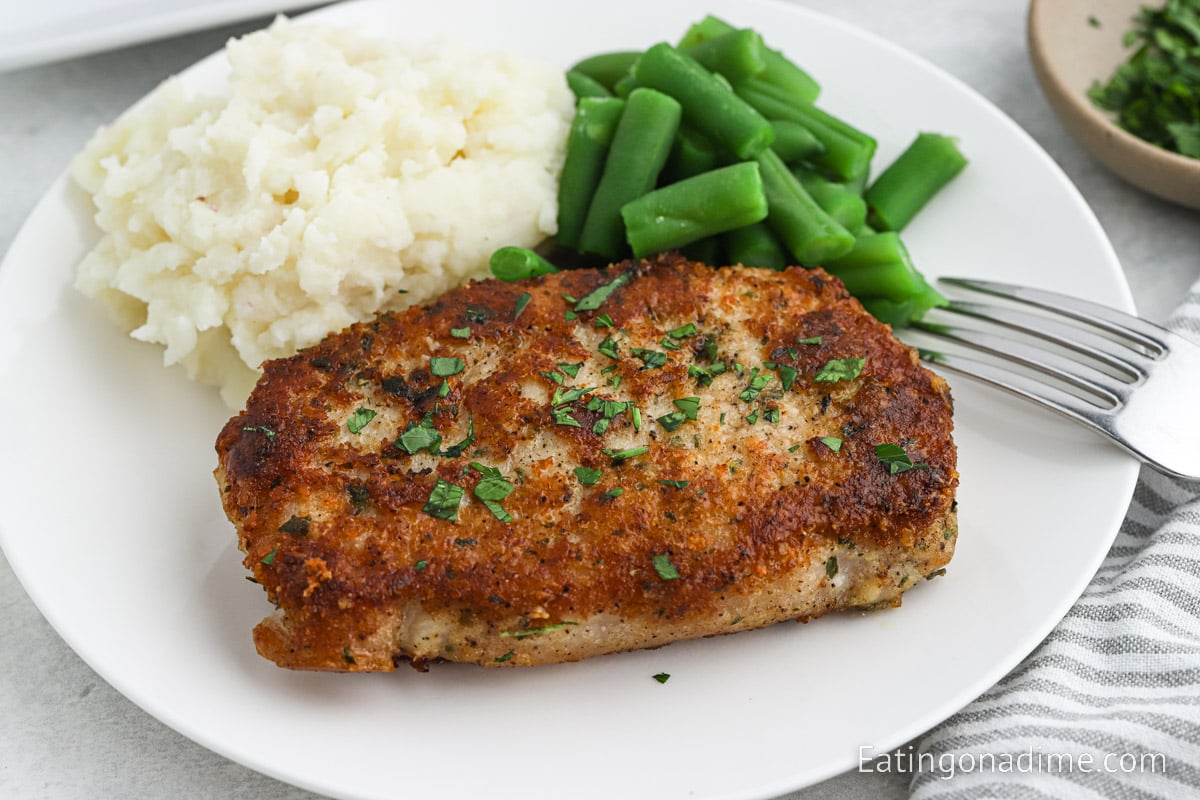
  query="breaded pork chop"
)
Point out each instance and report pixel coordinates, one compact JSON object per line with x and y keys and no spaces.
{"x":588,"y":462}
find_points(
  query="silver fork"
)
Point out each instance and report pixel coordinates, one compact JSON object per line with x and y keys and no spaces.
{"x":1129,"y":379}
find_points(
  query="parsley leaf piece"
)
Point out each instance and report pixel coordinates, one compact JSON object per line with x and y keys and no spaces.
{"x":296,"y":526}
{"x":662,"y":677}
{"x":831,"y":567}
{"x":608,"y":348}
{"x":690,"y":406}
{"x":787,"y":376}
{"x":758,"y":382}
{"x":416,"y":438}
{"x":832,"y":442}
{"x":263,"y":429}
{"x":896,"y":459}
{"x":637,"y":419}
{"x":444,"y":389}
{"x":359,"y":419}
{"x":840,"y":369}
{"x":614,"y":492}
{"x":460,"y":333}
{"x":673,"y":420}
{"x":675,"y":484}
{"x":505,"y":657}
{"x":624,"y":455}
{"x":553,"y":376}
{"x":667,"y":344}
{"x":445,"y":367}
{"x":444,"y":500}
{"x":683,"y":331}
{"x":456,"y":450}
{"x":558,"y":626}
{"x":771,"y":415}
{"x":562,"y":398}
{"x":570,"y":370}
{"x":421,"y":565}
{"x":651,"y":359}
{"x":491,"y":489}
{"x":522,"y":300}
{"x":269,"y":558}
{"x":588,"y":476}
{"x":665,"y":569}
{"x":809,"y":340}
{"x":562,"y":416}
{"x":603,"y":321}
{"x":592,"y":300}
{"x":752,"y":417}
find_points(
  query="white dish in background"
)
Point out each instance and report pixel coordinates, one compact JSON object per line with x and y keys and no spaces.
{"x":49,"y":30}
{"x":112,"y":522}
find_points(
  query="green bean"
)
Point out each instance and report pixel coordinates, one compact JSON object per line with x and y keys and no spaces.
{"x":692,"y":154}
{"x":516,"y":263}
{"x":901,"y":314}
{"x":582,"y":86}
{"x":848,"y":151}
{"x":625,"y":84}
{"x":842,"y":203}
{"x":794,"y":142}
{"x":809,"y":233}
{"x":909,"y":182}
{"x":640,"y":147}
{"x":708,"y":105}
{"x":737,"y":55}
{"x":778,"y":71}
{"x":878,"y":266}
{"x":587,"y":148}
{"x":705,"y":251}
{"x":607,"y":68}
{"x":755,"y":246}
{"x":695,"y":208}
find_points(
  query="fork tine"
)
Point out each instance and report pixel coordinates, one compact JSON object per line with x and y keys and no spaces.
{"x":1112,"y":393}
{"x":1049,"y":396}
{"x":1146,"y":334}
{"x":1105,"y":351}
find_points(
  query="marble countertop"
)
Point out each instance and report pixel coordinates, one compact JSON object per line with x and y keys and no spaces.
{"x":65,"y":733}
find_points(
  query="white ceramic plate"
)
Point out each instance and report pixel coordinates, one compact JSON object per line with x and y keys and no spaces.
{"x":112,"y":522}
{"x":48,"y":30}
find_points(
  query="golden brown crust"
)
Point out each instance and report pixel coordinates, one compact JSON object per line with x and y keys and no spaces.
{"x":766,"y":503}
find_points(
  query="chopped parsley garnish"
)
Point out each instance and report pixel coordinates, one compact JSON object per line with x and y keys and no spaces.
{"x":809,"y":340}
{"x":466,"y":542}
{"x":570,"y":316}
{"x":269,"y":558}
{"x":562,"y":416}
{"x":491,"y":489}
{"x":665,"y":569}
{"x":704,"y":375}
{"x":637,"y":419}
{"x":558,"y":626}
{"x":673,"y":420}
{"x":624,"y":455}
{"x":570,"y":369}
{"x":445,"y":367}
{"x":840,"y":369}
{"x":651,"y":359}
{"x":296,"y":526}
{"x":263,"y":429}
{"x":831,"y":567}
{"x":609,"y":348}
{"x":787,"y":376}
{"x":609,"y":410}
{"x":359,"y":419}
{"x":522,"y":300}
{"x":667,"y":344}
{"x":603,"y":321}
{"x":794,"y":448}
{"x":444,"y":500}
{"x":662,"y":677}
{"x":460,"y":333}
{"x":832,"y":442}
{"x":615,"y":492}
{"x":553,"y":376}
{"x":675,"y":484}
{"x":758,"y":382}
{"x":360,"y":497}
{"x":562,"y":398}
{"x":444,"y":389}
{"x":894,"y":457}
{"x":592,"y":300}
{"x":505,"y":657}
{"x":416,"y":438}
{"x":683,"y":331}
{"x":588,"y":476}
{"x":420,"y":565}
{"x":752,"y":417}
{"x":690,"y":406}
{"x":771,"y":415}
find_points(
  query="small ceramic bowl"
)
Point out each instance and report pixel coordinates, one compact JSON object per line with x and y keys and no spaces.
{"x":1073,"y":43}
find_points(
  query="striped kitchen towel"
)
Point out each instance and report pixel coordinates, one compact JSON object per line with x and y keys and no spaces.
{"x":1108,"y":705}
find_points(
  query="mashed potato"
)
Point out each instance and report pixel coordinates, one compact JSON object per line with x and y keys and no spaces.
{"x":340,"y":175}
